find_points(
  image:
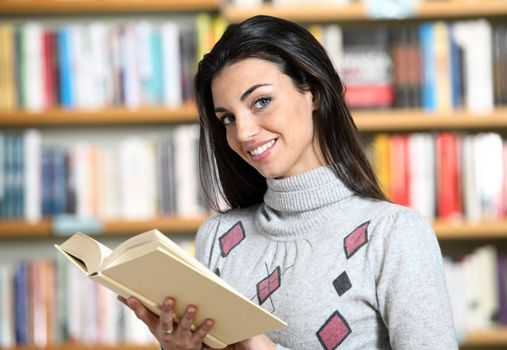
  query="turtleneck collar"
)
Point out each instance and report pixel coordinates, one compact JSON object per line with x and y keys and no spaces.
{"x":309,"y":190}
{"x":296,"y":206}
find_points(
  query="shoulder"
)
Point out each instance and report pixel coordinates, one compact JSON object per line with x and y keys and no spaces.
{"x":396,"y":231}
{"x":386,"y":218}
{"x":222,"y":220}
{"x":391,"y":226}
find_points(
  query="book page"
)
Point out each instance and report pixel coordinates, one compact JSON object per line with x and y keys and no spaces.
{"x":123,"y":252}
{"x":91,"y":252}
{"x":133,"y":242}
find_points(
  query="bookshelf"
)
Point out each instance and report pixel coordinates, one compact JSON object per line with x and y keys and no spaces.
{"x":374,"y":121}
{"x":24,"y":240}
{"x":107,"y":116}
{"x":44,"y":7}
{"x":496,"y":337}
{"x":418,"y":120}
{"x":168,"y":225}
{"x":90,"y":347}
{"x":493,"y":338}
{"x":449,"y":231}
{"x":356,"y":12}
{"x":366,"y":121}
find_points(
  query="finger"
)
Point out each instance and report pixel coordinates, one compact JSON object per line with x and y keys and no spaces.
{"x":166,"y":316}
{"x":142,"y":313}
{"x":203,"y":330}
{"x":187,"y":319}
{"x":123,"y":300}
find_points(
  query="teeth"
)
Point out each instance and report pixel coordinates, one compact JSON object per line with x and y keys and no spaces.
{"x":262,"y":148}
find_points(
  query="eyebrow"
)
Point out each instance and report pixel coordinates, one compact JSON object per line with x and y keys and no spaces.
{"x":243,"y":96}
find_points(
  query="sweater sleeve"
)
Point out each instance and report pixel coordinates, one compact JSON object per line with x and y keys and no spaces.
{"x":411,"y":291}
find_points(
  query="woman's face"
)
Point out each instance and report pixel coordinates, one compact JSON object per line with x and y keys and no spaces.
{"x":268,"y":121}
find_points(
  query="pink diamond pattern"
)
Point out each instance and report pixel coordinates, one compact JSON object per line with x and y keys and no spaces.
{"x":356,"y":239}
{"x":268,"y":285}
{"x":230,"y":239}
{"x":333,"y":332}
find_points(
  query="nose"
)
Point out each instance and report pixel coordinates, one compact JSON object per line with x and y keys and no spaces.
{"x":246,"y":127}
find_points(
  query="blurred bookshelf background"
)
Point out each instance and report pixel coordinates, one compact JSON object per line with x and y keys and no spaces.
{"x":98,"y":133}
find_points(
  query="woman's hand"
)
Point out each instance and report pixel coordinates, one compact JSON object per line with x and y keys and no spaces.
{"x":170,"y":335}
{"x":260,"y":342}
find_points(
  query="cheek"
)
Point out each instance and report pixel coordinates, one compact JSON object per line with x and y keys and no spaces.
{"x":231,"y":140}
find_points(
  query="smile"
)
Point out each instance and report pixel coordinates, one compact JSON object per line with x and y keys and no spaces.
{"x":259,"y":150}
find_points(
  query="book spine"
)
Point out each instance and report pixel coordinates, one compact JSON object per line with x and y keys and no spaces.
{"x":21,"y":310}
{"x":66,"y":83}
{"x":427,"y":40}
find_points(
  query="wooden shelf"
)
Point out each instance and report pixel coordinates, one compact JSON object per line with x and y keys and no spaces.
{"x":108,"y":116}
{"x":458,"y":230}
{"x":167,"y":225}
{"x":492,"y":337}
{"x":367,"y":121}
{"x":89,"y":347}
{"x":357,"y":12}
{"x":418,"y":120}
{"x":487,"y":338}
{"x":26,"y":7}
{"x":461,"y":231}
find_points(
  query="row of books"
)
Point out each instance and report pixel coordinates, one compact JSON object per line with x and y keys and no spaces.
{"x":44,"y":302}
{"x":477,"y":285}
{"x":444,"y":175}
{"x":95,"y":64}
{"x":138,"y":177}
{"x":438,"y":66}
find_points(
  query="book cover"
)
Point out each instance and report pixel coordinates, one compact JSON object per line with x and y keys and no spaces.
{"x":428,"y":83}
{"x":6,"y":305}
{"x":422,"y":173}
{"x":171,"y":55}
{"x":449,"y":204}
{"x":7,"y":67}
{"x":21,"y":293}
{"x":400,"y":175}
{"x":66,"y":76}
{"x":382,"y":162}
{"x":175,"y":273}
{"x":367,"y":68}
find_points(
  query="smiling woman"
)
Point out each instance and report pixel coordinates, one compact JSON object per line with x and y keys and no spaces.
{"x":303,"y":66}
{"x":307,"y":232}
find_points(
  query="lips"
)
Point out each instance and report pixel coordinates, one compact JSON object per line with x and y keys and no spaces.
{"x":261,"y":149}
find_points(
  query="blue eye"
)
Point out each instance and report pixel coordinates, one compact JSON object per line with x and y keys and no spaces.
{"x":227,"y":119}
{"x":262,"y":102}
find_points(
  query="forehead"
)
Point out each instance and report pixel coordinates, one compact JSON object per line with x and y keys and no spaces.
{"x":246,"y":71}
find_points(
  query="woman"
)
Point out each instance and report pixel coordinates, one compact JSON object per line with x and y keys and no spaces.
{"x":307,"y":232}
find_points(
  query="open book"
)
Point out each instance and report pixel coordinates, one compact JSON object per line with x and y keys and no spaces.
{"x":151,"y":267}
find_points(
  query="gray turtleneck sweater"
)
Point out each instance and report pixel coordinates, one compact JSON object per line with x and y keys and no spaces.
{"x":342,"y":271}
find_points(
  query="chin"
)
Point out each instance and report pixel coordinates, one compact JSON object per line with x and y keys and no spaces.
{"x":272,"y":174}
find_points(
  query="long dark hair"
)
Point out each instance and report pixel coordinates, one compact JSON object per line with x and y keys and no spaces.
{"x":224,"y":174}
